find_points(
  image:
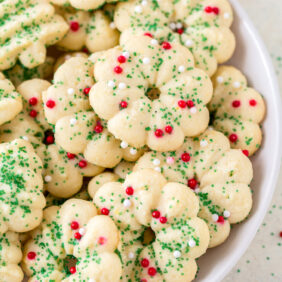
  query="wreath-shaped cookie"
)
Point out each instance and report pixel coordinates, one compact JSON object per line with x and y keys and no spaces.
{"x":219,"y":175}
{"x":73,"y":243}
{"x":201,"y":26}
{"x":21,"y":185}
{"x":144,"y":203}
{"x":10,"y":100}
{"x":27,"y":28}
{"x":10,"y":257}
{"x":77,"y":127}
{"x":238,"y":109}
{"x":62,"y":171}
{"x":91,"y":29}
{"x":151,"y":94}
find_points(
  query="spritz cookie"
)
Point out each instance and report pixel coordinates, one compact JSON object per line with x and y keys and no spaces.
{"x":151,"y":93}
{"x":202,"y":26}
{"x":73,"y":243}
{"x":10,"y":257}
{"x":10,"y":100}
{"x":27,"y":28}
{"x":21,"y":187}
{"x":144,"y":203}
{"x":78,"y":130}
{"x":220,"y":176}
{"x":238,"y":109}
{"x":63,"y":172}
{"x":90,"y":29}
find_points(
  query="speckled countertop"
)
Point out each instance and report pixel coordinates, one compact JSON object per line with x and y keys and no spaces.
{"x":263,"y":260}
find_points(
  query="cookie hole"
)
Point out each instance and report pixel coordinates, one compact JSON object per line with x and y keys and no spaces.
{"x":148,"y":237}
{"x":153,"y":93}
{"x":70,"y":262}
{"x":49,"y":138}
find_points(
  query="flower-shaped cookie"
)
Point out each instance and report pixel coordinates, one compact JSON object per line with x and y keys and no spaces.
{"x":77,"y":127}
{"x":10,"y":100}
{"x":151,"y":94}
{"x":238,"y":109}
{"x":219,"y":175}
{"x":145,"y":202}
{"x":73,"y":243}
{"x":10,"y":257}
{"x":62,"y":171}
{"x":200,"y":25}
{"x":21,"y":185}
{"x":91,"y":29}
{"x":26,"y":28}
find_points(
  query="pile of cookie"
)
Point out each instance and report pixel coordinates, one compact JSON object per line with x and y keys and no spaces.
{"x":124,"y":145}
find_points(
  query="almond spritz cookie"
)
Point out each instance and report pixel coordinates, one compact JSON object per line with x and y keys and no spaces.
{"x":147,"y":203}
{"x":91,"y":29}
{"x":202,"y":26}
{"x":78,"y":130}
{"x":10,"y":257}
{"x":63,"y":172}
{"x":150,"y":93}
{"x":238,"y":109}
{"x":21,"y":186}
{"x":10,"y":100}
{"x":219,"y":175}
{"x":73,"y":243}
{"x":27,"y":27}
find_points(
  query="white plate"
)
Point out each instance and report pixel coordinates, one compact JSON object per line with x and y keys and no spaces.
{"x":252,"y":58}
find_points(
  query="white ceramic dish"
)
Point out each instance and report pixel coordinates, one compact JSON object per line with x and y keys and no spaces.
{"x":252,"y":58}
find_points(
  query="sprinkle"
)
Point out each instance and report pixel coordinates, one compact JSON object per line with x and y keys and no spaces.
{"x":226,"y":15}
{"x":177,"y":254}
{"x":105,"y":211}
{"x":182,"y":104}
{"x":138,"y":9}
{"x":77,"y":236}
{"x":179,"y":25}
{"x":170,"y":160}
{"x":220,"y":79}
{"x":215,"y":217}
{"x":25,"y":138}
{"x":193,"y":110}
{"x":159,"y":133}
{"x":220,"y":219}
{"x":152,"y":271}
{"x":156,"y":161}
{"x":168,"y":129}
{"x":82,"y":164}
{"x":70,"y":91}
{"x":245,"y":152}
{"x":181,"y":68}
{"x":70,"y":155}
{"x":72,"y":270}
{"x":236,"y":104}
{"x":191,"y":243}
{"x":121,"y":85}
{"x":86,"y":90}
{"x":129,"y":191}
{"x":98,"y":128}
{"x":172,"y":26}
{"x":154,"y":42}
{"x":121,"y":59}
{"x":91,"y":280}
{"x":33,"y":101}
{"x":158,"y":169}
{"x":126,"y":54}
{"x":74,"y":26}
{"x":118,"y":69}
{"x":253,"y":102}
{"x":111,"y":84}
{"x":226,"y":213}
{"x":192,"y":183}
{"x":73,"y":121}
{"x":123,"y":145}
{"x":112,"y":25}
{"x":33,"y":113}
{"x":146,"y":60}
{"x":144,"y":3}
{"x":50,"y":139}
{"x":237,"y":84}
{"x":156,"y":214}
{"x":233,"y":138}
{"x":185,"y":157}
{"x":127,"y":203}
{"x":132,"y":151}
{"x":163,"y":220}
{"x":145,"y":262}
{"x":148,"y":34}
{"x":166,"y":45}
{"x":197,"y":190}
{"x":190,"y":104}
{"x":31,"y":255}
{"x":203,"y":143}
{"x":189,"y":43}
{"x":74,"y":225}
{"x":131,"y":255}
{"x":48,"y":178}
{"x":81,"y":231}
